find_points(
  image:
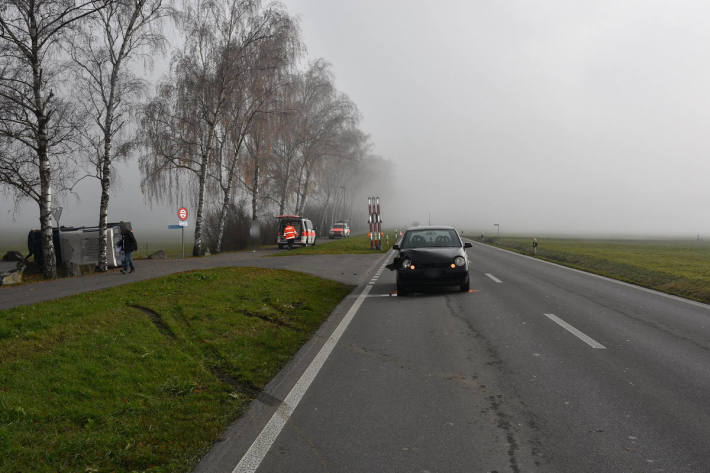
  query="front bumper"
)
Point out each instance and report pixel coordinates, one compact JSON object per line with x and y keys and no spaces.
{"x":432,"y":277}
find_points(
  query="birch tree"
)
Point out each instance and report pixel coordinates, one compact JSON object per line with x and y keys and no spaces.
{"x":181,"y":138}
{"x":325,"y":111}
{"x":193,"y":103}
{"x":289,"y":139}
{"x":102,"y":51}
{"x":36,"y":124}
{"x":261,"y":49}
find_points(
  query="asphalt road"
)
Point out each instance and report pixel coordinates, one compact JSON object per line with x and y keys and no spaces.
{"x":348,"y":269}
{"x":541,"y":368}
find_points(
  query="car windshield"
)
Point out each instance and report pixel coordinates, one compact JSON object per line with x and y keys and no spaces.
{"x":338,"y":225}
{"x":437,"y":238}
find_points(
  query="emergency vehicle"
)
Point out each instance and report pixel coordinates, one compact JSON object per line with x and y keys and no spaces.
{"x":339,"y":230}
{"x":304,"y":228}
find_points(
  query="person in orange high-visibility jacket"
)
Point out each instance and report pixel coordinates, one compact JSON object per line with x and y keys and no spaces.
{"x":290,"y":234}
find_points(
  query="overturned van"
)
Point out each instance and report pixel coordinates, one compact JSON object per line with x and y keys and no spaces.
{"x":79,"y":245}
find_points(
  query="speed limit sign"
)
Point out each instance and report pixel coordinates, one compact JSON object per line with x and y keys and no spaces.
{"x":182,"y":213}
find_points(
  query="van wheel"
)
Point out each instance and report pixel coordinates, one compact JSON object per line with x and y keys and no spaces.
{"x":314,"y":242}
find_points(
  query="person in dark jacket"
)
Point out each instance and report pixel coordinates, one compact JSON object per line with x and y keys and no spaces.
{"x":129,"y":245}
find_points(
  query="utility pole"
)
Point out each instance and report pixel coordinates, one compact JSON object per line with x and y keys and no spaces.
{"x":498,"y":226}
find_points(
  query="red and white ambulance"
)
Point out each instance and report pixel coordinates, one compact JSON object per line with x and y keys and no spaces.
{"x":305,"y":232}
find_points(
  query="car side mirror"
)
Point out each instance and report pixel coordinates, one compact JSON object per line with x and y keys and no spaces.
{"x":395,"y":247}
{"x":467,"y":245}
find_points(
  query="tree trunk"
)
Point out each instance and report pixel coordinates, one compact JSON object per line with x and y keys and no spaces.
{"x":282,"y":197}
{"x":255,"y":191}
{"x":105,"y":189}
{"x":103,"y":217}
{"x":198,"y":247}
{"x":298,"y":190}
{"x":285,"y":178}
{"x":325,"y":212}
{"x":304,"y":194}
{"x":220,"y":228}
{"x":223,"y":213}
{"x":49,"y":269}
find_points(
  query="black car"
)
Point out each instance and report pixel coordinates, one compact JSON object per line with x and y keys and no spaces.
{"x":431,"y":257}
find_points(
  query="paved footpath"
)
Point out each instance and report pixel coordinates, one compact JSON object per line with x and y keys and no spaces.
{"x":348,"y":269}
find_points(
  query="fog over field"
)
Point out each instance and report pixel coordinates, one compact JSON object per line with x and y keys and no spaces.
{"x":551,"y":116}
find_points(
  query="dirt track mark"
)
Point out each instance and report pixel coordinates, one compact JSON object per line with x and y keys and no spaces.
{"x":157,"y":320}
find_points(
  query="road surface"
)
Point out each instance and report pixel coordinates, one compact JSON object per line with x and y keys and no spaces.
{"x":347,"y":269}
{"x":540,"y":368}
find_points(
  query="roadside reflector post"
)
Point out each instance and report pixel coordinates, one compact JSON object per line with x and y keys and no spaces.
{"x":374,"y":221}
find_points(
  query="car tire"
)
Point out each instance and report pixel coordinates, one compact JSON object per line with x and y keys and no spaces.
{"x":402,"y":290}
{"x":314,"y":242}
{"x":465,"y":286}
{"x":281,"y":247}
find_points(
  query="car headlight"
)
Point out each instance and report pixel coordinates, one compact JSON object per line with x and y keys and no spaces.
{"x":406,"y":263}
{"x":459,"y":261}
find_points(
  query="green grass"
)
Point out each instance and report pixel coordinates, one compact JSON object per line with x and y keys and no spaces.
{"x":13,"y":241}
{"x":680,"y":267}
{"x":358,"y":244}
{"x":91,"y":384}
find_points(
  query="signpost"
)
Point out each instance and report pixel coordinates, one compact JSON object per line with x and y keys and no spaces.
{"x":182,"y":223}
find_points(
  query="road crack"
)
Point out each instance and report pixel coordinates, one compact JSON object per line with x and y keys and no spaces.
{"x":492,"y":378}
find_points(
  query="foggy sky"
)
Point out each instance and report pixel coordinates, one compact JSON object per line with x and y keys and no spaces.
{"x":543,"y":116}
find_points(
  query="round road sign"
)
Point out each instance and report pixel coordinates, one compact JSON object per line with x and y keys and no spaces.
{"x":182,"y":213}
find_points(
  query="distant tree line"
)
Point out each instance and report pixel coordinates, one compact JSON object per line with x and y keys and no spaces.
{"x":238,"y":128}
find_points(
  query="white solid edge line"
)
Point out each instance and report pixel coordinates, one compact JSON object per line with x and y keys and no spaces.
{"x":605,"y":278}
{"x":266,"y":438}
{"x":585,"y":338}
{"x":490,"y":276}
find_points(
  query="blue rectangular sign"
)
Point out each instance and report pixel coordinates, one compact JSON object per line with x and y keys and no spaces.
{"x":174,"y":227}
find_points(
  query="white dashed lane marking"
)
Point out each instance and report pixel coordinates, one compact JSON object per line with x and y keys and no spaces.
{"x":493,"y":278}
{"x":585,"y":338}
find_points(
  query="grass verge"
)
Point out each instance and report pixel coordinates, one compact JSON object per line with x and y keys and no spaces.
{"x":358,"y":244}
{"x":680,"y":267}
{"x":145,"y":377}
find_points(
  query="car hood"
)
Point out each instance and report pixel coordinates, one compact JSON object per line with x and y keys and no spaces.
{"x":431,"y":255}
